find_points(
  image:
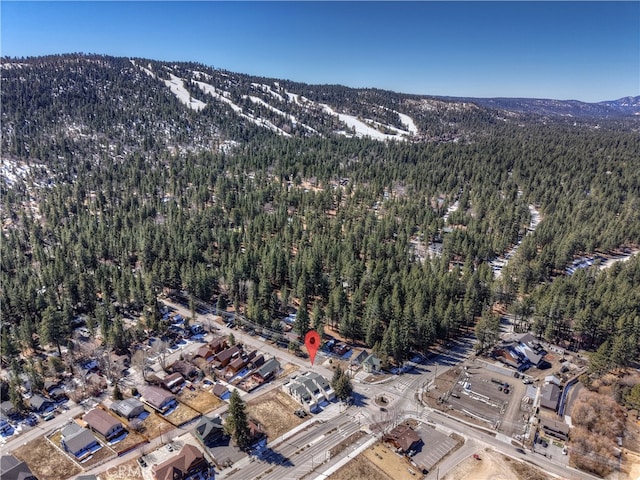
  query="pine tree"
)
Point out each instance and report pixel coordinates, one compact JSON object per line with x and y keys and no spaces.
{"x":236,"y":422}
{"x":117,"y":394}
{"x":341,"y":384}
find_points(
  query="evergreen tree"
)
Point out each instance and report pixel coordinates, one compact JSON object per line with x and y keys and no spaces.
{"x":341,"y":384}
{"x":236,"y":422}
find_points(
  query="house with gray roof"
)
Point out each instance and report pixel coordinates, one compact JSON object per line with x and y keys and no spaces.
{"x":371,"y":364}
{"x":267,"y":371}
{"x":309,"y":389}
{"x":128,"y":408}
{"x":210,"y":431}
{"x":78,"y":441}
{"x":40,"y":404}
{"x":550,"y":395}
{"x":13,"y":469}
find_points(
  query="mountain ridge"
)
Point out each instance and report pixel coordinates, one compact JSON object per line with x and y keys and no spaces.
{"x":135,"y":103}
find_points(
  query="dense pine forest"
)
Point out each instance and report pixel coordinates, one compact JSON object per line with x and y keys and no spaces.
{"x":122,"y":190}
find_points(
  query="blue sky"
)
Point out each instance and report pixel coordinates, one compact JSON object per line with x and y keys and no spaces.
{"x":587,"y":51}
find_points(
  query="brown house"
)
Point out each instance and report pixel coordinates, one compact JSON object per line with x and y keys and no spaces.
{"x":186,"y":369}
{"x":159,"y":399}
{"x":403,"y":438}
{"x":101,"y":422}
{"x":205,"y":352}
{"x":236,"y":365}
{"x":223,"y":358}
{"x":217,"y":344}
{"x":188,"y":462}
{"x":173,"y":382}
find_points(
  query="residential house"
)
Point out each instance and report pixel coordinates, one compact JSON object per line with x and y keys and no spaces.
{"x":223,"y":358}
{"x":341,"y":348}
{"x":217,"y":344}
{"x":256,"y":431}
{"x":210,"y":431}
{"x":186,"y":369}
{"x":173,"y":382}
{"x":159,"y":399}
{"x":357,"y":359}
{"x":371,"y":364}
{"x":206,"y":352}
{"x":54,"y":390}
{"x":128,"y":408}
{"x":309,"y":389}
{"x":268,"y":371}
{"x":524,"y":350}
{"x":236,"y":365}
{"x":256,"y":361}
{"x":13,"y":469}
{"x":554,"y":428}
{"x":40,"y":404}
{"x":550,"y":395}
{"x":103,"y":423}
{"x":7,"y":409}
{"x":404,"y":438}
{"x":78,"y":441}
{"x":219,"y":390}
{"x":189,"y":462}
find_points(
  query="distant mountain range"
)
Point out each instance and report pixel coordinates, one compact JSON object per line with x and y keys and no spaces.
{"x":569,"y":108}
{"x":126,"y":104}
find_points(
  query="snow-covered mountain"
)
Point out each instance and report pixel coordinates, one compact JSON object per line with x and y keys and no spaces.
{"x":124,"y":104}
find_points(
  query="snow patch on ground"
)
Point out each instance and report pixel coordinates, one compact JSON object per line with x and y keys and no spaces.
{"x":361,"y":128}
{"x":223,"y":97}
{"x":219,"y":95}
{"x":176,"y":85}
{"x":267,"y":89}
{"x":408,"y":122}
{"x":145,"y":70}
{"x":11,"y":172}
{"x":288,"y":116}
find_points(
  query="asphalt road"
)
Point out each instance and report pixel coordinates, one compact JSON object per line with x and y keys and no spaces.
{"x":306,"y":452}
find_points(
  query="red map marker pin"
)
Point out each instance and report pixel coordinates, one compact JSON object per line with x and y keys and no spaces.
{"x":312,"y":342}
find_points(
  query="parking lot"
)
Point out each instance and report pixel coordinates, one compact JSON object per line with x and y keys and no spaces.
{"x":436,"y":446}
{"x":490,"y":395}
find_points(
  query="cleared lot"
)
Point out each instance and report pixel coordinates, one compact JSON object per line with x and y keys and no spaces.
{"x":45,"y":460}
{"x":391,"y":464}
{"x":200,"y":401}
{"x":494,"y":466}
{"x":274,"y":411}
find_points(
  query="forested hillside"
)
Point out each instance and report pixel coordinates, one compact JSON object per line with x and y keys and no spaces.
{"x":115,"y":186}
